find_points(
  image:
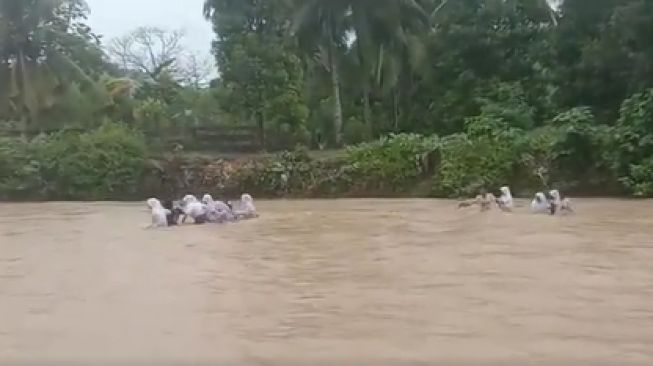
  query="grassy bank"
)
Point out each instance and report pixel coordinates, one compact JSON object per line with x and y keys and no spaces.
{"x":571,"y":153}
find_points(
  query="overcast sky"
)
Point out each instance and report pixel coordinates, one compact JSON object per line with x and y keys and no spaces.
{"x":113,"y":18}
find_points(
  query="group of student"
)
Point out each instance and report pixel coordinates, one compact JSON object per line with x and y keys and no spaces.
{"x":551,"y":202}
{"x":172,"y":213}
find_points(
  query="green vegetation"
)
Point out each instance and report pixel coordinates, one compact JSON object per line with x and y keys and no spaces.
{"x":101,"y":164}
{"x":426,"y":97}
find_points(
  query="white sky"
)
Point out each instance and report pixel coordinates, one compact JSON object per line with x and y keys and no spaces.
{"x":114,"y":18}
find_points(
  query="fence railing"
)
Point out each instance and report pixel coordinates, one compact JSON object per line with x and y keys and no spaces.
{"x":15,"y":132}
{"x":205,"y":138}
{"x":221,"y":138}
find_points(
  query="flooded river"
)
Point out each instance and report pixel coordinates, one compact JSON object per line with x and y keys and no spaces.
{"x":328,"y":282}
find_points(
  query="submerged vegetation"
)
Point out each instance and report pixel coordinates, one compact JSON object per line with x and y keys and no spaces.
{"x":423,"y":97}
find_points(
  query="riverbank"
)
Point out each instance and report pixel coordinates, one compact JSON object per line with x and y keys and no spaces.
{"x":113,"y":163}
{"x":343,"y":174}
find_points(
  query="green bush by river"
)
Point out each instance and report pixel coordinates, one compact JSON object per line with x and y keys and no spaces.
{"x":571,"y":152}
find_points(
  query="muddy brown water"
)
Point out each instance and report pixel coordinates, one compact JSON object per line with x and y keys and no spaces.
{"x":340,"y":281}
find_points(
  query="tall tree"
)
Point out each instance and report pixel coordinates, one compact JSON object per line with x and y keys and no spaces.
{"x":196,"y":71}
{"x":261,"y":76}
{"x":473,"y":45}
{"x":40,"y":42}
{"x":379,"y":26}
{"x":604,"y":52}
{"x":320,"y":26}
{"x":148,"y":50}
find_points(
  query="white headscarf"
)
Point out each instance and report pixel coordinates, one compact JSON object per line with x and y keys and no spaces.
{"x":247,"y":210}
{"x":506,"y":197}
{"x":189,"y":198}
{"x":153,"y":203}
{"x":248,"y":204}
{"x":192,"y":207}
{"x":561,"y":204}
{"x":159,"y":214}
{"x":540,"y":203}
{"x":207,"y":199}
{"x":217,"y":211}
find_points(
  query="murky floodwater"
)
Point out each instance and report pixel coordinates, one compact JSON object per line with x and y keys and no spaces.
{"x":350,"y":281}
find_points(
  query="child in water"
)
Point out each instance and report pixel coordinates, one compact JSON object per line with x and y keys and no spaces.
{"x":541,"y":204}
{"x":505,"y":201}
{"x":551,"y":202}
{"x":559,"y":203}
{"x":159,"y":213}
{"x":192,"y":207}
{"x":174,"y":212}
{"x":484,"y":199}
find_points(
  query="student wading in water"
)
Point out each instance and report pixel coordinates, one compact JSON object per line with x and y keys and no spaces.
{"x":484,"y":200}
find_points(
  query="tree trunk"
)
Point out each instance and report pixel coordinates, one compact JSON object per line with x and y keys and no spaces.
{"x":367,"y":115}
{"x":261,"y":129}
{"x":337,"y":104}
{"x":24,"y":127}
{"x":379,"y":66}
{"x":367,"y":112}
{"x":437,"y":10}
{"x":395,"y":110}
{"x":552,"y":15}
{"x":29,"y":103}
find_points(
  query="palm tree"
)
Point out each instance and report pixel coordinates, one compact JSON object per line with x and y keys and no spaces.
{"x":364,"y":21}
{"x":320,"y":26}
{"x":34,"y":63}
{"x":373,"y":25}
{"x":398,"y":29}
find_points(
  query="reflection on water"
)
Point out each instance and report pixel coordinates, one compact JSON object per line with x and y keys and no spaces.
{"x":343,"y":280}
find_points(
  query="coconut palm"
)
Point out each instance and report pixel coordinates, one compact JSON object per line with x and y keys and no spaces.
{"x":377,"y":24}
{"x":397,"y":28}
{"x":35,"y":62}
{"x":368,"y":28}
{"x":321,"y":28}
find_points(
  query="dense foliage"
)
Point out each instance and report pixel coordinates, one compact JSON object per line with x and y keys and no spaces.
{"x":100,"y":164}
{"x":441,"y":96}
{"x":393,"y":163}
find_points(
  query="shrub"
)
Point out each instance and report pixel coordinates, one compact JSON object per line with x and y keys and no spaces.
{"x":470,"y":164}
{"x":286,"y":173}
{"x":19,"y":169}
{"x":538,"y":157}
{"x":354,"y":131}
{"x":629,"y":145}
{"x":640,"y":180}
{"x":151,"y":115}
{"x":285,"y":136}
{"x":487,"y":156}
{"x":104,"y":163}
{"x":507,"y":102}
{"x":579,"y":147}
{"x":632,"y":138}
{"x":392,"y":163}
